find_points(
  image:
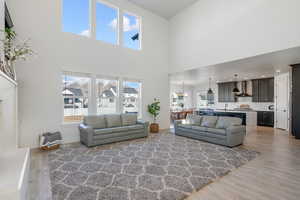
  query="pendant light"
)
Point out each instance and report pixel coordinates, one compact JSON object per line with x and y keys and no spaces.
{"x":210,"y":91}
{"x":235,"y":89}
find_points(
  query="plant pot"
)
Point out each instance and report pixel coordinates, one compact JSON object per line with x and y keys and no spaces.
{"x":154,"y":128}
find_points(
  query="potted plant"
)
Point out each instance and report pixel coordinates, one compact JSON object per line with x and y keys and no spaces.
{"x":154,"y":110}
{"x":13,"y":51}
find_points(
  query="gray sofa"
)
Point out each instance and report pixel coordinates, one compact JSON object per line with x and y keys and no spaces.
{"x":104,"y":129}
{"x":227,"y":131}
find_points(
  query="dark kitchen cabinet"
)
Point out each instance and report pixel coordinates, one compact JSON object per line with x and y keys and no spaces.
{"x":265,"y":118}
{"x":296,"y":100}
{"x":225,"y":93}
{"x":263,"y":90}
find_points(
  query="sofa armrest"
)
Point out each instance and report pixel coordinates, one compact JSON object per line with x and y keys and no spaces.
{"x":86,"y":133}
{"x":236,"y":129}
{"x":176,"y":123}
{"x":146,"y":126}
{"x":235,"y":135}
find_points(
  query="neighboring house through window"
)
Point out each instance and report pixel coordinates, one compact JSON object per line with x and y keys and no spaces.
{"x":107,"y":96}
{"x":132,"y":97}
{"x":79,"y":100}
{"x":75,"y":97}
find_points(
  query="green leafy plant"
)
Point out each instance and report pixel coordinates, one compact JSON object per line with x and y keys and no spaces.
{"x":154,"y":109}
{"x":14,"y":50}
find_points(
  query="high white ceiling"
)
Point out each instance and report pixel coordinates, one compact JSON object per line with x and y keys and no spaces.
{"x":266,"y":65}
{"x":164,"y":8}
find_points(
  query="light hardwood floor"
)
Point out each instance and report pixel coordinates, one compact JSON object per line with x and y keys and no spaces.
{"x":275,"y":174}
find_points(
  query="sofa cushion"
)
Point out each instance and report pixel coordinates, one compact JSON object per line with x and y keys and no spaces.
{"x":185,"y":126}
{"x":119,"y":129}
{"x":209,"y":121}
{"x":113,"y":121}
{"x":95,"y":121}
{"x":226,"y":122}
{"x":128,"y":119}
{"x":199,"y":128}
{"x":193,"y":119}
{"x":135,"y":127}
{"x":217,"y":131}
{"x":103,"y":131}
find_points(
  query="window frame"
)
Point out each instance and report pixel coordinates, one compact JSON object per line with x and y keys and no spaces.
{"x":110,"y":78}
{"x":90,"y":21}
{"x":140,"y":106}
{"x":89,"y":96}
{"x":118,"y":21}
{"x":140,"y":29}
{"x":92,"y":90}
{"x":93,"y":23}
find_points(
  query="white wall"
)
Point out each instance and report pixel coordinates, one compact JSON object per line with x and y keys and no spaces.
{"x":216,"y":31}
{"x":8,"y":112}
{"x":39,"y":78}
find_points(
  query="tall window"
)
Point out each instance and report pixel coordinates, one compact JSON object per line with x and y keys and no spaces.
{"x":107,"y":23}
{"x":75,"y":97}
{"x":132,"y":97}
{"x":76,"y":17}
{"x":131,"y":31}
{"x":107,"y":96}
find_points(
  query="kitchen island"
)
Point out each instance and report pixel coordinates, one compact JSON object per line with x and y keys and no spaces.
{"x":249,"y":117}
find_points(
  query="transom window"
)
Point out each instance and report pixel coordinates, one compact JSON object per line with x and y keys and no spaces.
{"x":131,"y":31}
{"x":100,"y":20}
{"x":107,"y":23}
{"x":76,"y":17}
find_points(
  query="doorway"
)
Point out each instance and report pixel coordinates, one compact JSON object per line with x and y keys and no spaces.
{"x":282,"y":101}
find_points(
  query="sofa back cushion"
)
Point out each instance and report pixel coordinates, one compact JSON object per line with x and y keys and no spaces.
{"x":129,"y":119}
{"x":113,"y":120}
{"x":225,"y":122}
{"x":194,"y":119}
{"x":209,"y":121}
{"x":95,"y":121}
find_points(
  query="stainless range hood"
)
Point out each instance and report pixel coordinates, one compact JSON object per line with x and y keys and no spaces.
{"x":244,"y":92}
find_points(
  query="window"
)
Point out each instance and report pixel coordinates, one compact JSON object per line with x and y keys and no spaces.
{"x":75,"y":97}
{"x":204,"y":99}
{"x":107,"y":96}
{"x":131,"y":32}
{"x":107,"y":23}
{"x":132,"y":97}
{"x":76,"y":17}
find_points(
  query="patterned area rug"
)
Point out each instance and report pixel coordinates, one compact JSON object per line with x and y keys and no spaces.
{"x":161,"y":167}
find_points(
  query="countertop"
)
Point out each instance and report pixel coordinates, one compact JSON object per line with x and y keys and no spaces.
{"x":237,"y":111}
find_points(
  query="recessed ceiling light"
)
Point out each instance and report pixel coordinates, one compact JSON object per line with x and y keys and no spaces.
{"x":263,"y":76}
{"x":278,"y":71}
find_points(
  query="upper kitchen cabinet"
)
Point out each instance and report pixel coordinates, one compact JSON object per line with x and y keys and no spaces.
{"x":225,"y":93}
{"x":263,"y":90}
